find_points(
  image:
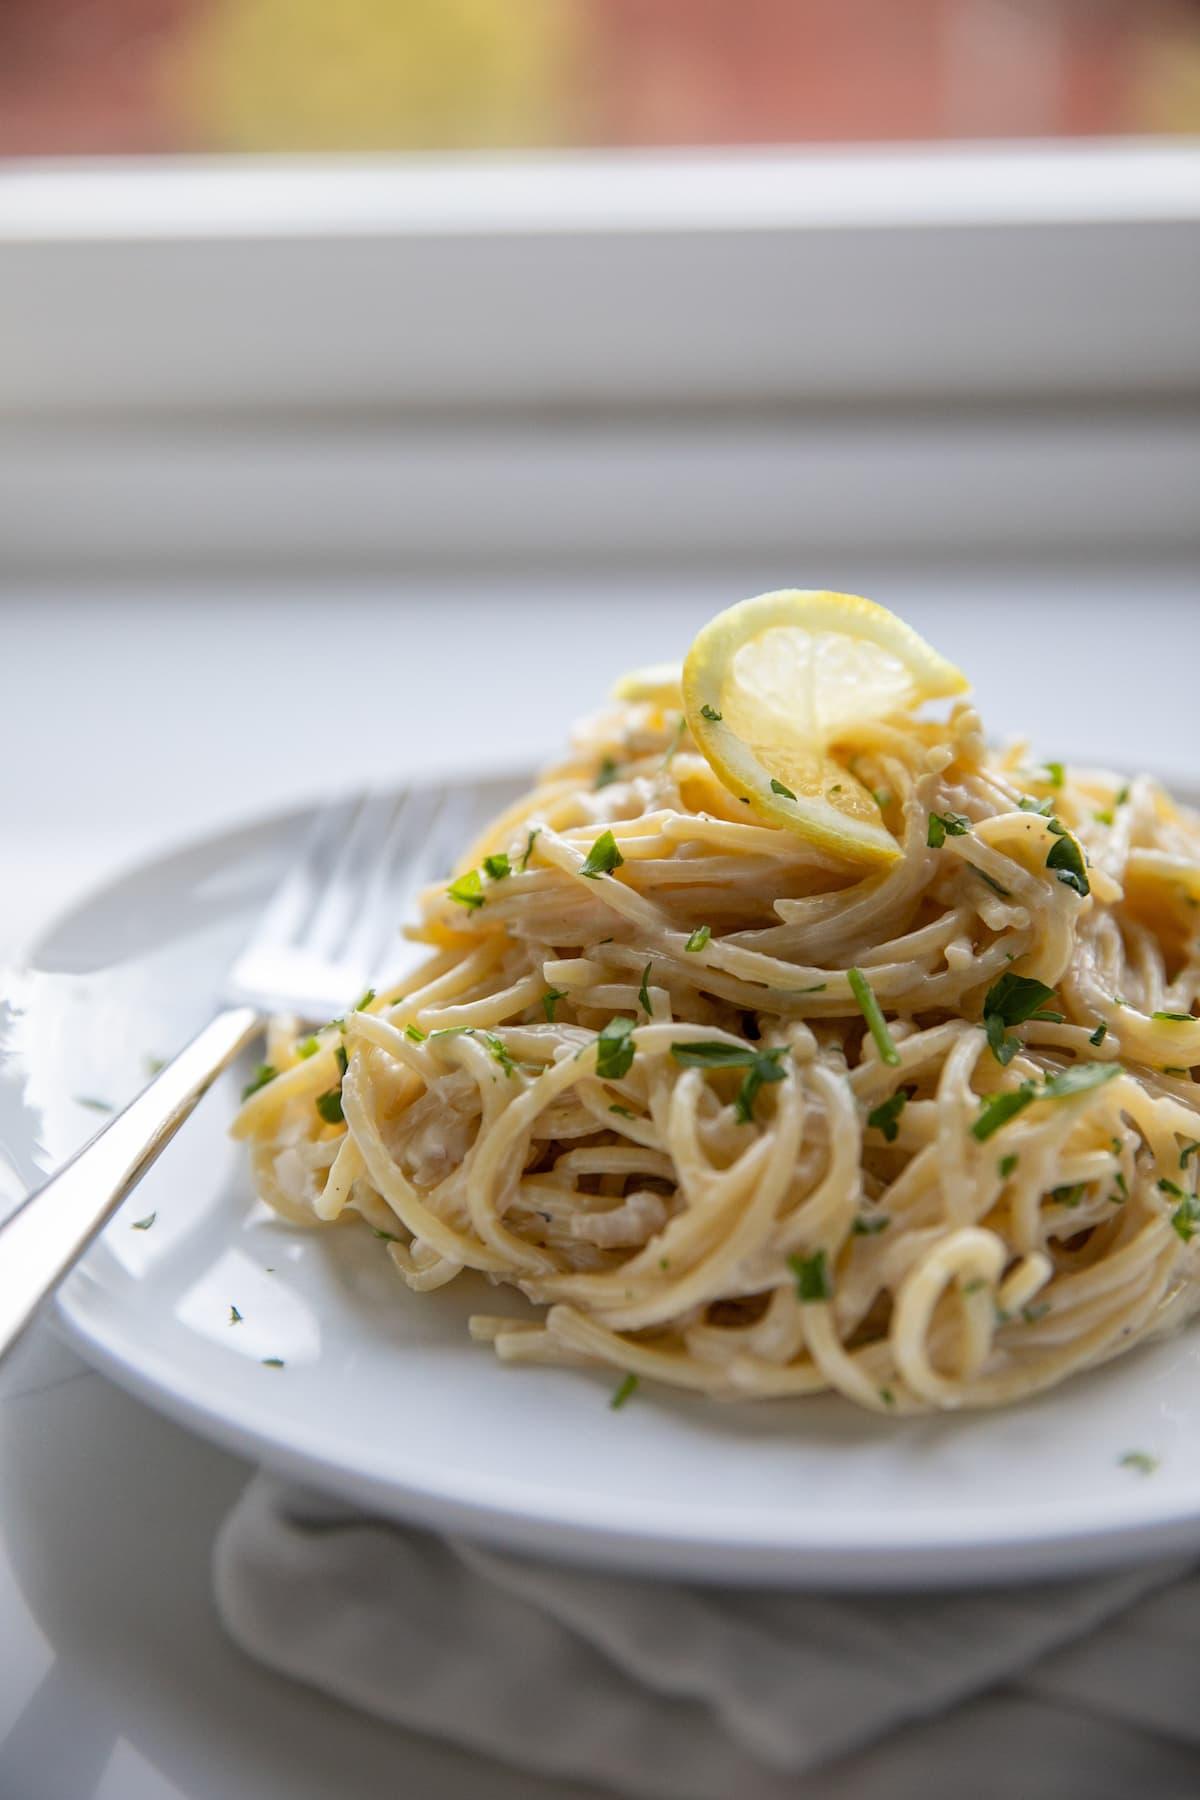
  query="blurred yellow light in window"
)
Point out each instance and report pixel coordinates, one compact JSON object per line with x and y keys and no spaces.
{"x":379,"y":74}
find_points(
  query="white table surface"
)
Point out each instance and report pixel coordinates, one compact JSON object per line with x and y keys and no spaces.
{"x":146,"y":716}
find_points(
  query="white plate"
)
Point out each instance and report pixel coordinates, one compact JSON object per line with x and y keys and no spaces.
{"x":384,"y":1399}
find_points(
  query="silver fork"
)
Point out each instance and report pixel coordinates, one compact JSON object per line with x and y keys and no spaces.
{"x":316,"y":944}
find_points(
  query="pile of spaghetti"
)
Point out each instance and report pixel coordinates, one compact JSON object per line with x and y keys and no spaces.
{"x":745,"y":1115}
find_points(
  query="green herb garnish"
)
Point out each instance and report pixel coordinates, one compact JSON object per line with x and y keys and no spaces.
{"x":996,"y":1110}
{"x":627,"y":1387}
{"x":1045,"y":807}
{"x":644,"y":991}
{"x":1078,"y":1080}
{"x":530,"y":841}
{"x":1004,"y":893}
{"x":886,"y":1116}
{"x":1104,"y":816}
{"x":467,"y":890}
{"x":106,"y":1106}
{"x":711,"y":714}
{"x":307,"y":1047}
{"x":813,"y":1284}
{"x":497,"y":866}
{"x":1055,"y":774}
{"x":606,"y":774}
{"x":1069,"y":1195}
{"x":235,"y":1317}
{"x":414,"y":1034}
{"x":764,"y":1068}
{"x":944,"y":825}
{"x":1175,"y":1018}
{"x":550,"y":1000}
{"x":1007,"y":1164}
{"x":708,"y":1054}
{"x":699,"y":938}
{"x":329,"y":1105}
{"x":1098,"y":1036}
{"x":1066,"y":859}
{"x":272,"y":1362}
{"x":264,"y":1073}
{"x":1141,"y":1460}
{"x":626,"y":1112}
{"x":603,"y":857}
{"x":615,"y":1049}
{"x":777,"y":787}
{"x":1187,"y":1151}
{"x":871,"y":1011}
{"x":144,"y":1224}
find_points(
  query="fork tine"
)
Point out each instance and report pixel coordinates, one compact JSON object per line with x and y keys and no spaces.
{"x":366,"y":843}
{"x":293,"y":902}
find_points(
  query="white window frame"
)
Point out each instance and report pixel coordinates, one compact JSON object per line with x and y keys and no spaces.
{"x":426,"y":358}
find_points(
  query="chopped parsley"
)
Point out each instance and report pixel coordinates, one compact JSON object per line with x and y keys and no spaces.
{"x":1066,"y":859}
{"x":1186,"y":1216}
{"x":329,"y":1105}
{"x":1012,"y":1000}
{"x":1104,"y":816}
{"x":1175,"y":1018}
{"x":1055,"y":774}
{"x":497,"y":866}
{"x":627,"y":1387}
{"x":603,"y":857}
{"x":154,"y":1065}
{"x":886,"y":1116}
{"x":1070,"y":1195}
{"x":235,"y":1317}
{"x":467,"y":890}
{"x":709,"y":1054}
{"x":265,"y":1072}
{"x":606,"y":774}
{"x":711,"y":714}
{"x":499,"y":1052}
{"x":996,"y":1110}
{"x":1004,"y":893}
{"x":764,"y":1068}
{"x":1031,"y":1314}
{"x":341,"y":1059}
{"x":813,"y":1283}
{"x":307,"y":1047}
{"x":882,"y":797}
{"x":626,"y":1112}
{"x":550,"y":1000}
{"x":272,"y":1362}
{"x":530,"y":841}
{"x":699,"y":938}
{"x":1078,"y":1079}
{"x":1141,"y":1460}
{"x":644,"y":991}
{"x":144,"y":1224}
{"x":1045,"y":807}
{"x":870,"y":1224}
{"x":944,"y":825}
{"x":777,"y":787}
{"x":387,"y":1237}
{"x":1098,"y":1036}
{"x":1007,"y":1164}
{"x":1122,"y":798}
{"x":414,"y":1034}
{"x":1187,"y":1151}
{"x":871,"y":1011}
{"x":615,"y":1049}
{"x":887,"y":1396}
{"x":106,"y":1106}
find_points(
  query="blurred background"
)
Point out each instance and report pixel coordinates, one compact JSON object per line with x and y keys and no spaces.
{"x":123,"y":77}
{"x":498,"y":342}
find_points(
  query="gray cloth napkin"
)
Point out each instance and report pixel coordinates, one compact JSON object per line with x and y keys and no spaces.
{"x":674,"y":1692}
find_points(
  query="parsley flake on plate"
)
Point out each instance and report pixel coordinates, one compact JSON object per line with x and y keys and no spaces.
{"x":602,"y":858}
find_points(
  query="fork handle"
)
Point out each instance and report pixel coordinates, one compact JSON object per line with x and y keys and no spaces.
{"x":54,"y":1225}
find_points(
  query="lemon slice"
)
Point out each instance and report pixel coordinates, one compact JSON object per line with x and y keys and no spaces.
{"x":657,"y":684}
{"x":770,"y":684}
